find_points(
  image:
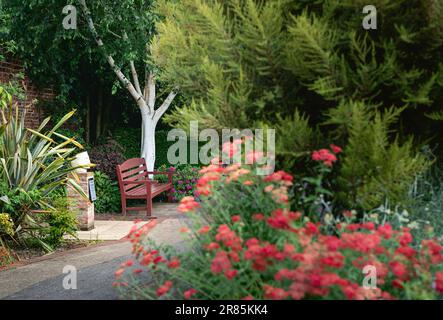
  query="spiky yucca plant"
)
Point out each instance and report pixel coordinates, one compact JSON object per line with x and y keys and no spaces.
{"x":33,"y":163}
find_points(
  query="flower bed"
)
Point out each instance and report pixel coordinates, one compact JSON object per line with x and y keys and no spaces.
{"x":247,"y":243}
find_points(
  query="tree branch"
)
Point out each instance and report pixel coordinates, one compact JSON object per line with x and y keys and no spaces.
{"x":165,"y":105}
{"x":128,"y":85}
{"x":135,"y":77}
{"x":146,"y":88}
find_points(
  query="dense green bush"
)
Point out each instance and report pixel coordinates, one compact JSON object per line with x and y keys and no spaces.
{"x":44,"y":228}
{"x":309,"y":70}
{"x":60,"y":222}
{"x":426,"y":203}
{"x":129,"y":139}
{"x":108,"y":194}
{"x":106,"y":156}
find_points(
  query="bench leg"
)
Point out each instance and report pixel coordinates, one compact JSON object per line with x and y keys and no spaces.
{"x":149,"y":207}
{"x":124,"y":210}
{"x":170,"y":196}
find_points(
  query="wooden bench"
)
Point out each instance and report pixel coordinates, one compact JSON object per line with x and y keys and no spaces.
{"x":135,"y":183}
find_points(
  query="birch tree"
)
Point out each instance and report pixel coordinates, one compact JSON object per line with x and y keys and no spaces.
{"x":143,"y":94}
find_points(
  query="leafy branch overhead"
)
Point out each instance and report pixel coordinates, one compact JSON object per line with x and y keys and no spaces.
{"x":146,"y":98}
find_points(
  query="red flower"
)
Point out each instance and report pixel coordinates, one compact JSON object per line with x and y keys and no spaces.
{"x":188,"y":204}
{"x":254,"y":156}
{"x":146,"y":260}
{"x":119,"y":272}
{"x":439,"y":282}
{"x":311,"y":228}
{"x":332,"y":243}
{"x":368,"y":226}
{"x":158,"y":260}
{"x":129,"y":263}
{"x":325,"y":156}
{"x":229,"y":148}
{"x":221,"y":262}
{"x":258,"y":217}
{"x":398,"y":269}
{"x":333,"y":259}
{"x":279,"y":176}
{"x":162,"y":290}
{"x":212,"y":246}
{"x":385,"y":231}
{"x":433,"y":250}
{"x":353,"y":227}
{"x":189,"y":293}
{"x":397,"y":283}
{"x":275,"y":293}
{"x":360,"y":241}
{"x":348,"y":213}
{"x":282,"y":219}
{"x":284,"y":274}
{"x":228,"y":237}
{"x":230,"y":274}
{"x":204,"y":229}
{"x":234,"y":256}
{"x":174,"y":263}
{"x":406,"y":251}
{"x":235,"y":218}
{"x":405,"y":238}
{"x":335,"y":149}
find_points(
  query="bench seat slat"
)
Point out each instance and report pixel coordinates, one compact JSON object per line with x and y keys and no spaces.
{"x":156,"y":188}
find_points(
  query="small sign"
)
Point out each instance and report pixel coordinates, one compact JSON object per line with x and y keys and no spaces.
{"x":91,"y":187}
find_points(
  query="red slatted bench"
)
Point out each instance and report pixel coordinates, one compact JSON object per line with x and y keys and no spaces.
{"x":134,"y":183}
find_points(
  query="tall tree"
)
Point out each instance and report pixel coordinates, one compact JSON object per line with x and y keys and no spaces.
{"x":78,"y":63}
{"x":136,"y":25}
{"x":311,"y":71}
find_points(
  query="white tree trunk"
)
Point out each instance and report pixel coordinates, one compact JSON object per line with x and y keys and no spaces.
{"x":145,"y":100}
{"x":148,"y":141}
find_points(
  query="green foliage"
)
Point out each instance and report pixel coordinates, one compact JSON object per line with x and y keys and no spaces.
{"x":6,"y":44}
{"x":108,"y":194}
{"x":427,"y":200}
{"x":376,"y":169}
{"x":294,"y":65}
{"x":129,"y":139}
{"x":66,"y":56}
{"x":24,"y":150}
{"x":296,"y":138}
{"x":6,"y":224}
{"x":184,"y":180}
{"x":59,"y":222}
{"x":34,"y":165}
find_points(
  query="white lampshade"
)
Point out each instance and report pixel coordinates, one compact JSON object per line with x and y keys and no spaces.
{"x":81,"y":159}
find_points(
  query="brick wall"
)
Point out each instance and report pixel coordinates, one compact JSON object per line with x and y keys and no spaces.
{"x":8,"y":69}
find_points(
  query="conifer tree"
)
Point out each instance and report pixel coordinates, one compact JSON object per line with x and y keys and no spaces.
{"x":310,"y":70}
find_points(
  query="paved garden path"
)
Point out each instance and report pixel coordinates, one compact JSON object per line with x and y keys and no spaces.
{"x":43,"y":279}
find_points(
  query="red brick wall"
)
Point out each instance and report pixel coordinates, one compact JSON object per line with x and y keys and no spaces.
{"x":11,"y":67}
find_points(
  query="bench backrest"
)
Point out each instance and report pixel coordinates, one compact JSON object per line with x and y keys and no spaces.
{"x":132,"y":170}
